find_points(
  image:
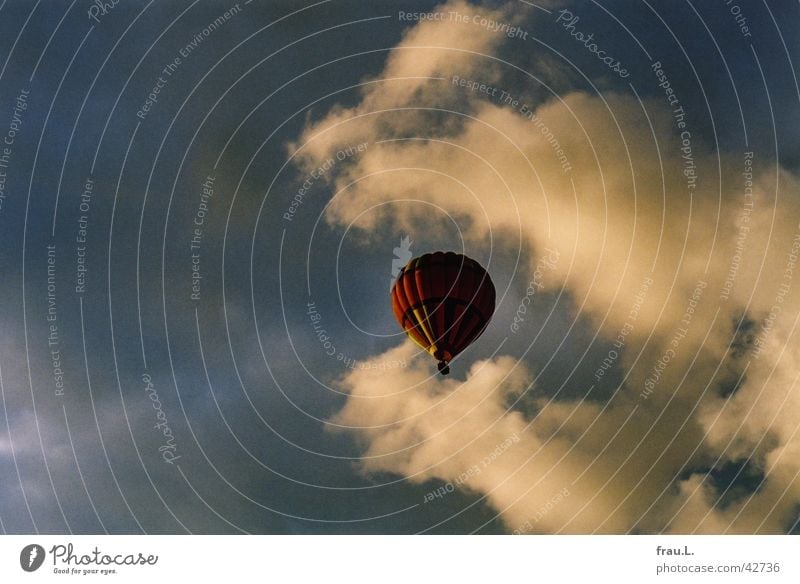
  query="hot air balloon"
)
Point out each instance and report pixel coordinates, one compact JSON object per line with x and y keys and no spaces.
{"x":443,"y":301}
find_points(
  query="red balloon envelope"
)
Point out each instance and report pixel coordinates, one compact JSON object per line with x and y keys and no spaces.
{"x":443,"y":301}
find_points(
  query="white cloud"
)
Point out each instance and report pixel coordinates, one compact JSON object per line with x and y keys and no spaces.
{"x":622,"y":214}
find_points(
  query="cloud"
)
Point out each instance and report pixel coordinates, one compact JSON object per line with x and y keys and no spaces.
{"x":628,"y":201}
{"x":464,"y":434}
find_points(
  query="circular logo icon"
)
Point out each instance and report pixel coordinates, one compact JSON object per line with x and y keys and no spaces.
{"x":31,"y":557}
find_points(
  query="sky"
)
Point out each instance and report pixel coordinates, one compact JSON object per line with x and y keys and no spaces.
{"x":203,"y":205}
